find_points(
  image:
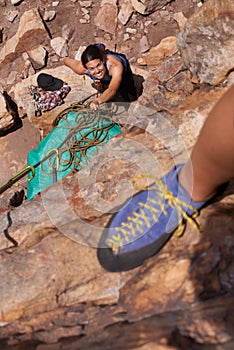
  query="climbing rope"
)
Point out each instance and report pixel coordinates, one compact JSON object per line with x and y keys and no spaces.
{"x":89,"y":130}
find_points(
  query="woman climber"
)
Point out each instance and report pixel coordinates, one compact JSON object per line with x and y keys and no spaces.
{"x":110,"y":72}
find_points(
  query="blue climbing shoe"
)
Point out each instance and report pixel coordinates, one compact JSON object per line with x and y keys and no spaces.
{"x":145,"y":223}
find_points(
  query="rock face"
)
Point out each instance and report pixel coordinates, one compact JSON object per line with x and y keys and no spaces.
{"x":31,"y":33}
{"x":158,"y":54}
{"x":54,"y":276}
{"x":207,"y":39}
{"x":54,"y":294}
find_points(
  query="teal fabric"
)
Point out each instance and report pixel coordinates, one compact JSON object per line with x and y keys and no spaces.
{"x":43,"y":173}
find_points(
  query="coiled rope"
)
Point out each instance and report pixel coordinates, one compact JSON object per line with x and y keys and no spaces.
{"x":90,"y":131}
{"x":77,"y":143}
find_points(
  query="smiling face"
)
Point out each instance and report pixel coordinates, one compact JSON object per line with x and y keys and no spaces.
{"x":96,"y":68}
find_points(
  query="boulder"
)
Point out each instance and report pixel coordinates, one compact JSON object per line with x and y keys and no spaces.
{"x":158,"y":53}
{"x":31,"y":33}
{"x":207,"y":44}
{"x":106,"y":18}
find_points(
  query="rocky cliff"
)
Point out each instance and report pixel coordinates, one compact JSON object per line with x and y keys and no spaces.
{"x":54,"y":294}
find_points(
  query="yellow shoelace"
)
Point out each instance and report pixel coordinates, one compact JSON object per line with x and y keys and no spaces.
{"x":134,"y":226}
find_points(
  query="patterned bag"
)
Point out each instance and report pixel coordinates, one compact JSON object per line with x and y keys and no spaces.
{"x":49,"y":93}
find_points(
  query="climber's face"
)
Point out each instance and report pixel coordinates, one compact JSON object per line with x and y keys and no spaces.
{"x":96,"y":68}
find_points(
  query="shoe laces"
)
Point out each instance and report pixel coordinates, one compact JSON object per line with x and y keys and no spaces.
{"x":136,"y":223}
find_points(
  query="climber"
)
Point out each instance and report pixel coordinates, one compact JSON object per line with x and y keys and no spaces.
{"x":110,"y":72}
{"x":146,"y":222}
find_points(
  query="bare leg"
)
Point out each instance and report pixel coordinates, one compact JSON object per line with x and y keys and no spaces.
{"x":212,"y":158}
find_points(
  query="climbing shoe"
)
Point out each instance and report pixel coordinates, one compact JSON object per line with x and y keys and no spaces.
{"x":146,"y":222}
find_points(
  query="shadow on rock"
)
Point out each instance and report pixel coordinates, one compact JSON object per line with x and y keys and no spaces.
{"x":138,"y":81}
{"x":12,"y":108}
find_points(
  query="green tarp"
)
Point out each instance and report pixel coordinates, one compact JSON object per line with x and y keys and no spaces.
{"x":87,"y":134}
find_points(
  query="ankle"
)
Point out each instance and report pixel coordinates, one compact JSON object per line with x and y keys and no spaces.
{"x":197,"y":191}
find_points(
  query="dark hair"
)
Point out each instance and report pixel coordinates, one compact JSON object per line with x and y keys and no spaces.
{"x":93,"y":52}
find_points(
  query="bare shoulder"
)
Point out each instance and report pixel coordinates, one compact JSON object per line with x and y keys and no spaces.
{"x":114,"y":64}
{"x":112,"y":60}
